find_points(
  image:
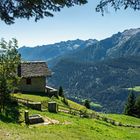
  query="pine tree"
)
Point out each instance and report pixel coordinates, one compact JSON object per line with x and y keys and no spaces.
{"x":130,"y":104}
{"x":87,"y":104}
{"x":137,"y":106}
{"x":61,"y":92}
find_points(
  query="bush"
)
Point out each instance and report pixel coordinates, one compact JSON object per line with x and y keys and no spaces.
{"x":11,"y":113}
{"x":87,"y":104}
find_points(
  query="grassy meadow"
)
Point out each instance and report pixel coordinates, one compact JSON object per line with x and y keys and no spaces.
{"x":70,"y":127}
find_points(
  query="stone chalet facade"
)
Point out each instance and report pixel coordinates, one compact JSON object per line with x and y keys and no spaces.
{"x":33,"y":76}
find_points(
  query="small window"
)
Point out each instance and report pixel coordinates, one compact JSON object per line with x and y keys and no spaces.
{"x":28,"y":81}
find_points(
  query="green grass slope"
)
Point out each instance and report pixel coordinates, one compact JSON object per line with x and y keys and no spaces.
{"x":76,"y":129}
{"x":41,"y":97}
{"x":124,"y":119}
{"x":70,"y":127}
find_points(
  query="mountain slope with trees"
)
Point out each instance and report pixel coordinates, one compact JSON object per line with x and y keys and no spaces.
{"x":104,"y":82}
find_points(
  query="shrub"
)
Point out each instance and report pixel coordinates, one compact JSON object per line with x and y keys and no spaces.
{"x":87,"y":104}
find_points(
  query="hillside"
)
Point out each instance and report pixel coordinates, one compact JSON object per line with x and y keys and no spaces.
{"x":105,"y":82}
{"x":69,"y":126}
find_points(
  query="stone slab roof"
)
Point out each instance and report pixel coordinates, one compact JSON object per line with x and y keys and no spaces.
{"x":33,"y":69}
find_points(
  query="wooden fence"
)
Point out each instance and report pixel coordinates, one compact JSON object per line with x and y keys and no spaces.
{"x":29,"y":103}
{"x":44,"y":105}
{"x":21,"y":100}
{"x":73,"y":111}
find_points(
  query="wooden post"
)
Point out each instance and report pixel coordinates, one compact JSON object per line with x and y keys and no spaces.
{"x":70,"y":110}
{"x":26,"y":116}
{"x":27,"y":104}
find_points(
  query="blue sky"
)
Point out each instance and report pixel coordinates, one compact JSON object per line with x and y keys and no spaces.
{"x":71,"y":23}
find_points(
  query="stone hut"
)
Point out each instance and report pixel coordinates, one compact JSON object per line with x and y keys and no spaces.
{"x":33,"y":76}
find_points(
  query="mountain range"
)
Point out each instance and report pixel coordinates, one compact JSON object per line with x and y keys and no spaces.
{"x":53,"y":51}
{"x":97,"y":70}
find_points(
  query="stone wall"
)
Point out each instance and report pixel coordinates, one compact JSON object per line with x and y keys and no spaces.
{"x":37,"y":85}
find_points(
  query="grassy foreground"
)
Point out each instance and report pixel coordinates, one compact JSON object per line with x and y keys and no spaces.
{"x":70,"y":128}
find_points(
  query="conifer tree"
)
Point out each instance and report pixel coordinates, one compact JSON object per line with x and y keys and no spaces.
{"x":61,"y":92}
{"x":130,"y":104}
{"x":137,"y":106}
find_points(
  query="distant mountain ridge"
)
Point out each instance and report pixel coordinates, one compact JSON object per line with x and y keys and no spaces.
{"x":118,"y":45}
{"x":122,"y":44}
{"x":49,"y":52}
